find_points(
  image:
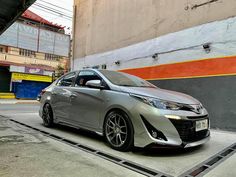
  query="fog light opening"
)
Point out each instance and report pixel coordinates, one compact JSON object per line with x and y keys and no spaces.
{"x":153,"y":131}
{"x":154,"y":134}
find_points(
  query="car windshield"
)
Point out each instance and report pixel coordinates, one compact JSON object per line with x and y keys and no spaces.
{"x":122,"y":79}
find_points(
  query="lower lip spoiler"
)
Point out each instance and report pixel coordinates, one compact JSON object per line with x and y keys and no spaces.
{"x":196,"y":143}
{"x":184,"y":145}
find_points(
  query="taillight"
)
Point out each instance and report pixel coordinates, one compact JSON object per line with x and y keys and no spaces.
{"x":40,"y":95}
{"x":42,"y":92}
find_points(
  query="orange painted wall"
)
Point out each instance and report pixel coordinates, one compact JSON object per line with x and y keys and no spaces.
{"x":199,"y":68}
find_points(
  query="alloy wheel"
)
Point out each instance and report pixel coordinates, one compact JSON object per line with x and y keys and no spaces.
{"x":47,"y":116}
{"x":116,"y":130}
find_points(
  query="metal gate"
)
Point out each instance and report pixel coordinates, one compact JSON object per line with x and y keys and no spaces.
{"x":5,"y":79}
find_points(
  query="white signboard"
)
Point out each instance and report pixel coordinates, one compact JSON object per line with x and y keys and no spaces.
{"x":33,"y":38}
{"x":9,"y":37}
{"x":62,"y":45}
{"x":46,"y":41}
{"x":27,"y":37}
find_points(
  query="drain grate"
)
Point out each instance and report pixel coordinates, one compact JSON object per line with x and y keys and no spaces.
{"x":2,"y":116}
{"x":132,"y":165}
{"x":69,"y":141}
{"x":122,"y":162}
{"x":86,"y":148}
{"x":227,"y":152}
{"x":56,"y":137}
{"x":109,"y":156}
{"x":214,"y":160}
{"x":198,"y":171}
{"x":204,"y":167}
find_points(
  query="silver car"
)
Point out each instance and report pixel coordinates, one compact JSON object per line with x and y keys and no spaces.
{"x":128,"y":111}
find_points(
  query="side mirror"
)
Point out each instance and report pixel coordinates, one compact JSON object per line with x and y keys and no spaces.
{"x":95,"y":84}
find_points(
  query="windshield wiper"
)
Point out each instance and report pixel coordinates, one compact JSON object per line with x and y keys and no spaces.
{"x":127,"y":85}
{"x":146,"y":86}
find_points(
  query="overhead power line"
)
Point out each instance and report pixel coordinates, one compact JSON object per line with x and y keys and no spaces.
{"x":52,"y":13}
{"x":53,"y":10}
{"x":56,"y":6}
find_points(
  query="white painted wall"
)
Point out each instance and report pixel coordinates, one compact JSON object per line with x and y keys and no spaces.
{"x":175,"y":47}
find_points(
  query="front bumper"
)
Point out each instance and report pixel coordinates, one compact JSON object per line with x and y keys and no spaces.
{"x":197,"y":143}
{"x":183,"y":145}
{"x":177,"y":133}
{"x":186,"y":134}
{"x":186,"y":129}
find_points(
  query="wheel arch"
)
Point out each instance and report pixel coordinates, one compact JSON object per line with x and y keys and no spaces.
{"x":118,"y":108}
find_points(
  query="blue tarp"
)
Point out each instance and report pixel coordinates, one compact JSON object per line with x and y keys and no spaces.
{"x":28,"y":89}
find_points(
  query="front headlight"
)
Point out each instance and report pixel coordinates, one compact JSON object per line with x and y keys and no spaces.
{"x":158,"y":103}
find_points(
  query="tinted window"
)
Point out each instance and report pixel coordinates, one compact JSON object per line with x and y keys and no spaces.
{"x":67,"y":80}
{"x":122,"y":79}
{"x":85,"y":76}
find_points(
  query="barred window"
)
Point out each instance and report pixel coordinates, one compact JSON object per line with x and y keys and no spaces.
{"x":52,"y":57}
{"x":27,"y":53}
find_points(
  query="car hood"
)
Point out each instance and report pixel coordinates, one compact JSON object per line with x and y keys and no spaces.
{"x":161,"y":94}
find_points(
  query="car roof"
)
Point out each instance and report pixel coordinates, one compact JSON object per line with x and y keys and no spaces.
{"x":91,"y":69}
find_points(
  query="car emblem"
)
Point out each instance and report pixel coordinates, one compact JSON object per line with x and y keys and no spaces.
{"x":198,"y":109}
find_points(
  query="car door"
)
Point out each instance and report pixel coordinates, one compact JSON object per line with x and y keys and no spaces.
{"x":87,"y":103}
{"x":61,"y":97}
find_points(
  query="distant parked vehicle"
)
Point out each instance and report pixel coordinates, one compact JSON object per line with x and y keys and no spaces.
{"x":127,"y":110}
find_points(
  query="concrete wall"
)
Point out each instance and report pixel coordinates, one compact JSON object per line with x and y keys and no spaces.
{"x":180,"y":46}
{"x":132,"y":31}
{"x":104,"y":25}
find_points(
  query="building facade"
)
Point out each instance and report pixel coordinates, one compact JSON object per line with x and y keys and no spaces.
{"x":186,"y":46}
{"x":26,"y":62}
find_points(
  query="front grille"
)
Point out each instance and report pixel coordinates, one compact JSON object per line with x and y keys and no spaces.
{"x":198,"y":117}
{"x":186,"y":130}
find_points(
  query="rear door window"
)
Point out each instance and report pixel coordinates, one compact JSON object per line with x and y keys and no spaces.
{"x":67,"y":80}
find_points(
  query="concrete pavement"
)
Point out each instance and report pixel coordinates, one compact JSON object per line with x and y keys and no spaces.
{"x":25,"y":153}
{"x":172,"y":162}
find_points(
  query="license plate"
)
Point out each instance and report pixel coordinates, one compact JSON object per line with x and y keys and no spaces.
{"x":201,"y":125}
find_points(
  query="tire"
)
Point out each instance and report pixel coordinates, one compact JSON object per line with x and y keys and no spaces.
{"x":47,"y":116}
{"x":118,"y":131}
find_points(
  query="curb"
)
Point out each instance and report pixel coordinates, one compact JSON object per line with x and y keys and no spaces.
{"x":19,"y":102}
{"x":25,"y":102}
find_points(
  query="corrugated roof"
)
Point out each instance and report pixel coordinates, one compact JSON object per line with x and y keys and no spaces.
{"x":33,"y":16}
